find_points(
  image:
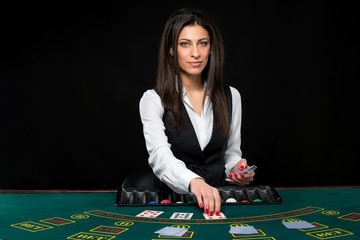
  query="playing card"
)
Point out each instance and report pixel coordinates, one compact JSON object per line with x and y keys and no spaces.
{"x":243,"y":230}
{"x":221,"y":216}
{"x":298,"y":225}
{"x":172,"y":232}
{"x":181,"y":215}
{"x":149,"y":214}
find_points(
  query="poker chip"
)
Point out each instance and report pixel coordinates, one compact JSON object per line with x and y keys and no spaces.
{"x":244,"y":201}
{"x":165,"y":201}
{"x":152,"y":202}
{"x":231,"y":200}
{"x":257,"y":200}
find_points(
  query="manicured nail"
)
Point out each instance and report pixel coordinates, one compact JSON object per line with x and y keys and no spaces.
{"x":211,"y":213}
{"x":242,"y":175}
{"x":207,"y":211}
{"x":231,"y":176}
{"x":217,"y":213}
{"x":201,"y":205}
{"x":236,"y":175}
{"x":241,"y":168}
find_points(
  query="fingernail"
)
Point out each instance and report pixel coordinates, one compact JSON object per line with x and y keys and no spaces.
{"x":241,"y":168}
{"x":236,"y":175}
{"x":217,"y":213}
{"x":242,"y":175}
{"x":231,"y":176}
{"x":211,"y":213}
{"x":201,"y":205}
{"x":207,"y":211}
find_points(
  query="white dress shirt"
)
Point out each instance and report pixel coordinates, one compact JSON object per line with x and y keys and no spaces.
{"x":169,"y":169}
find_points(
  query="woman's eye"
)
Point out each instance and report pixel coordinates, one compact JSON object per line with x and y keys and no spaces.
{"x":184,"y":44}
{"x":203,"y":43}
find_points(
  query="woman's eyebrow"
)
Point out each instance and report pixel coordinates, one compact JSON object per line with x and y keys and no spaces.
{"x":202,"y":39}
{"x":185,"y":39}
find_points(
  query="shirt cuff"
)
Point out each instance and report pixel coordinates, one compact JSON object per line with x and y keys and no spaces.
{"x":182,"y":186}
{"x":231,"y":161}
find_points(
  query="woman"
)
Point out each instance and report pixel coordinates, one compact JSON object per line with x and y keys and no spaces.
{"x":191,"y":121}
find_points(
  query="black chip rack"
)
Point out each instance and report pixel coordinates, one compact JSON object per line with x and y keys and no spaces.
{"x":243,"y":195}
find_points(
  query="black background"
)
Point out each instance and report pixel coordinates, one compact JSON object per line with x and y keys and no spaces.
{"x":73,"y":75}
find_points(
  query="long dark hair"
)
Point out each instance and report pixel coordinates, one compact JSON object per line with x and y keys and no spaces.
{"x":170,"y":88}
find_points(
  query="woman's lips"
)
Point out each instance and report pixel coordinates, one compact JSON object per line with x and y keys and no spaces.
{"x":195,"y":64}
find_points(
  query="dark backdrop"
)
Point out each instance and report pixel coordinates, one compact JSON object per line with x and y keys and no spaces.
{"x":73,"y":75}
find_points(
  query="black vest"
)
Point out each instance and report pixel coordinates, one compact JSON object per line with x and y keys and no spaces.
{"x":208,"y":163}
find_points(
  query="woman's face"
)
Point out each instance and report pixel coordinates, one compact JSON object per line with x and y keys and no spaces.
{"x":193,"y":49}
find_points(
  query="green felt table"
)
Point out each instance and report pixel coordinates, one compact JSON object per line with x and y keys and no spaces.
{"x":335,"y":212}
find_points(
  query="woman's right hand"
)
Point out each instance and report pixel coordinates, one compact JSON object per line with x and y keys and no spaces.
{"x":207,"y":196}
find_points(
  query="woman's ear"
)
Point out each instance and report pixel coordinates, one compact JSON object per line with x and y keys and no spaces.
{"x":171,"y":51}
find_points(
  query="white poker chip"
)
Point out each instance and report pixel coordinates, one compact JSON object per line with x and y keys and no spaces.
{"x":231,"y":200}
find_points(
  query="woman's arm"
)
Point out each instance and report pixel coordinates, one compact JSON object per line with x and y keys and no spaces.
{"x":233,"y":154}
{"x":165,"y":165}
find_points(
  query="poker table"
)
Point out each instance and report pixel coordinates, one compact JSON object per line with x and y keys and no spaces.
{"x":93,"y":215}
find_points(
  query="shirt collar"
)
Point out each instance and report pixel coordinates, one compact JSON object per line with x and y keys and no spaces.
{"x":184,"y":89}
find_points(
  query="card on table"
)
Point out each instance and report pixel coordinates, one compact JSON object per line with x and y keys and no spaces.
{"x":181,"y":215}
{"x":221,"y":216}
{"x":149,"y":214}
{"x":298,"y":225}
{"x":172,"y":231}
{"x":243,"y":230}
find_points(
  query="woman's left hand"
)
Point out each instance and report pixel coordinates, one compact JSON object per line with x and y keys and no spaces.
{"x":242,"y":179}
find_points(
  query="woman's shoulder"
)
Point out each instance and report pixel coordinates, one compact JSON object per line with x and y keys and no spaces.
{"x":234,"y":92}
{"x":150,"y":95}
{"x":150,"y":100}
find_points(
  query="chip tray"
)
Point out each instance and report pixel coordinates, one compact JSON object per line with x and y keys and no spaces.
{"x":242,"y":195}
